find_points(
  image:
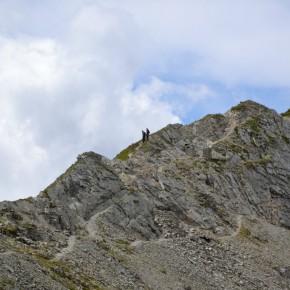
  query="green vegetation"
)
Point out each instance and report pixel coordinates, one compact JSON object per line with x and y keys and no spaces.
{"x":9,"y":229}
{"x":240,"y":107}
{"x":29,"y":199}
{"x":117,"y":255}
{"x":272,"y":140}
{"x":44,"y":194}
{"x":103,"y":245}
{"x":122,"y":242}
{"x":57,"y":270}
{"x":146,"y":147}
{"x":246,"y":105}
{"x":286,"y":114}
{"x":60,"y":271}
{"x":200,"y":166}
{"x":119,"y":250}
{"x":244,"y":232}
{"x":253,"y":124}
{"x":204,"y":165}
{"x":234,"y":147}
{"x":124,"y":246}
{"x":3,"y":219}
{"x":124,"y":155}
{"x":258,"y":162}
{"x":6,"y":283}
{"x":213,"y":116}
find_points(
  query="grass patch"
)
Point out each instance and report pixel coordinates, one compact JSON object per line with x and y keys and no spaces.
{"x":60,"y":271}
{"x":246,"y":105}
{"x":240,"y":107}
{"x":286,"y":114}
{"x":202,"y":165}
{"x":147,"y":146}
{"x":272,"y":140}
{"x":6,"y":283}
{"x":124,"y":155}
{"x":3,"y":219}
{"x":234,"y":147}
{"x":253,"y":124}
{"x":63,"y":273}
{"x":29,"y":199}
{"x":213,"y":116}
{"x":9,"y":230}
{"x":103,"y":245}
{"x":258,"y":162}
{"x":44,"y":194}
{"x":244,"y":232}
{"x":124,"y":246}
{"x":117,"y":256}
{"x":122,"y":242}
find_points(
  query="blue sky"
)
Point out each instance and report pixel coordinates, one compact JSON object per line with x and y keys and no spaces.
{"x":80,"y":75}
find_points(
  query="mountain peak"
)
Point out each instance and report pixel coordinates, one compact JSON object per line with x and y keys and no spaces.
{"x":250,"y":108}
{"x":195,"y":207}
{"x":248,"y":105}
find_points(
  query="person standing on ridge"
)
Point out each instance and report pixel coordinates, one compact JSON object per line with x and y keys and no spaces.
{"x":143,"y":136}
{"x":147,"y":134}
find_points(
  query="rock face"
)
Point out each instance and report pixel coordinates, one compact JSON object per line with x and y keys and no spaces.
{"x":200,"y":206}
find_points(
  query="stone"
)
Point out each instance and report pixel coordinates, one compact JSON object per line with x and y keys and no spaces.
{"x":199,"y":206}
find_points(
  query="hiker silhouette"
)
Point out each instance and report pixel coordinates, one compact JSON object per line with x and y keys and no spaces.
{"x":143,"y":136}
{"x":147,"y":134}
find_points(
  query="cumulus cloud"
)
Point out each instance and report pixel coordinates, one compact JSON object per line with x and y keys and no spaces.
{"x":233,"y":42}
{"x":89,"y":75}
{"x":58,"y":100}
{"x":179,"y":97}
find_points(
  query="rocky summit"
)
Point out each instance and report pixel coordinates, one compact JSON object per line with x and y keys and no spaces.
{"x":198,"y":206}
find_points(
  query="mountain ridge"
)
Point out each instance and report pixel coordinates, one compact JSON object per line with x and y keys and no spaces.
{"x":197,"y":207}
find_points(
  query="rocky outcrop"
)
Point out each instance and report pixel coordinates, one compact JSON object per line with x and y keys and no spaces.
{"x":199,"y":206}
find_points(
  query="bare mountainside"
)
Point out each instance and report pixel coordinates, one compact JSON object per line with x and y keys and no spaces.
{"x":199,"y":206}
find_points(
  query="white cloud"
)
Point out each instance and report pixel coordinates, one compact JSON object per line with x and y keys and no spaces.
{"x":177,"y":96}
{"x":54,"y":107}
{"x":233,"y":41}
{"x":69,"y":69}
{"x":29,"y":63}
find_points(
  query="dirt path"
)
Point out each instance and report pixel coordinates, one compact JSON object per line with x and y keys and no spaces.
{"x":239,"y":221}
{"x":70,"y":245}
{"x":91,"y":225}
{"x":236,"y":232}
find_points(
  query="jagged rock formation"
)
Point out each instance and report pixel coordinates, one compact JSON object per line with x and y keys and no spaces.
{"x":200,"y":206}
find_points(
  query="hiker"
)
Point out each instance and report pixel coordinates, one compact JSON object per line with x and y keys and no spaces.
{"x":147,"y":134}
{"x":143,"y":136}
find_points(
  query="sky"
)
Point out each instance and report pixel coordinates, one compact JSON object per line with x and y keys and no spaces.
{"x":89,"y":75}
